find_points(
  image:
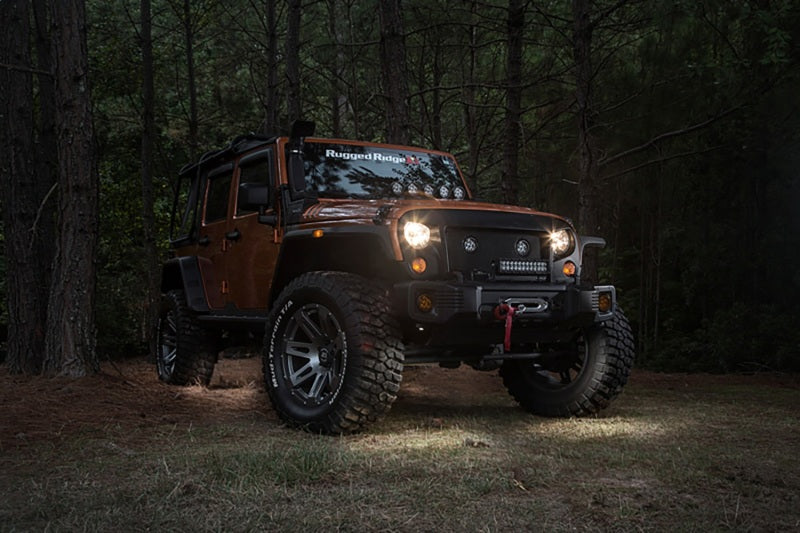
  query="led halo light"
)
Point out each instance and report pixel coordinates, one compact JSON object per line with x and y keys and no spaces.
{"x":522,"y":247}
{"x":560,"y":241}
{"x":417,"y":235}
{"x":470,"y":244}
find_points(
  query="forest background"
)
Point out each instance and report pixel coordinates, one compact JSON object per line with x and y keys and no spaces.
{"x":669,"y":128}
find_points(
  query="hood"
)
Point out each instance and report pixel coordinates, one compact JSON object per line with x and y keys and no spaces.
{"x":378,"y":211}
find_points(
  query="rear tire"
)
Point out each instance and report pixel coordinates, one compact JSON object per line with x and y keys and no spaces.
{"x":333,"y":360}
{"x":185,"y":353}
{"x":580,"y":385}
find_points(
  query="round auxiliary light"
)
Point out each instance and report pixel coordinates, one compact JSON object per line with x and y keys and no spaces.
{"x":419,"y":265}
{"x":459,"y":193}
{"x":444,"y":192}
{"x":412,"y":189}
{"x":470,"y":244}
{"x":428,"y":189}
{"x":522,"y":247}
{"x":397,"y":187}
{"x":569,"y":269}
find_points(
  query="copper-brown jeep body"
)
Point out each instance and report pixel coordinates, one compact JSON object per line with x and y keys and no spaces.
{"x":353,"y":259}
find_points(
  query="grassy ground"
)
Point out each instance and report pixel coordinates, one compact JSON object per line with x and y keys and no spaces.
{"x":671,"y":454}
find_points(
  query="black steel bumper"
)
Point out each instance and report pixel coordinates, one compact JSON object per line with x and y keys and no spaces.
{"x":441,"y":302}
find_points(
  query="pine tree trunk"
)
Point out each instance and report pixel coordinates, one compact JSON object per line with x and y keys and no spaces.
{"x":27,"y":307}
{"x":71,"y":333}
{"x":188,"y":30}
{"x":393,"y":70}
{"x":150,"y":253}
{"x":510,"y":175}
{"x":588,"y":169}
{"x":271,"y":118}
{"x":294,"y":107}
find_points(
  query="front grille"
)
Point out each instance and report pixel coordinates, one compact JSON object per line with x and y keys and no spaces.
{"x":481,"y":253}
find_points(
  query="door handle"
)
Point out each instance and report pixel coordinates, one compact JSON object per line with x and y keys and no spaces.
{"x":233,"y":235}
{"x":204,"y":241}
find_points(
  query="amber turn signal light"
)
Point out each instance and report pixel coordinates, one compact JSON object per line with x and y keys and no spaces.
{"x":569,"y":269}
{"x":424,"y":303}
{"x":419,"y":265}
{"x":317,"y":233}
{"x":604,"y":302}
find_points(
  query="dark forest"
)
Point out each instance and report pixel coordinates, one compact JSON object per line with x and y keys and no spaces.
{"x":672,"y":129}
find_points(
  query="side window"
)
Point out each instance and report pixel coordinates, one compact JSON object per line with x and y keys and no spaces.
{"x":255,"y":169}
{"x":217,"y":197}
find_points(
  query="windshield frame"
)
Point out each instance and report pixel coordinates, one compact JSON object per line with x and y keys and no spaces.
{"x":380,"y":171}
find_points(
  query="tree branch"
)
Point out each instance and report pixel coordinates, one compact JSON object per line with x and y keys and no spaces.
{"x":655,"y":140}
{"x":661,"y":160}
{"x":26,"y":69}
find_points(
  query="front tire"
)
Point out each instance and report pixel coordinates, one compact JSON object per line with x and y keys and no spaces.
{"x":333,"y":360}
{"x":584,"y":380}
{"x":184,"y":351}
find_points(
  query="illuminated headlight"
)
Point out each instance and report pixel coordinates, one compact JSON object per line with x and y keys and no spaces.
{"x":417,"y":235}
{"x":560,"y":242}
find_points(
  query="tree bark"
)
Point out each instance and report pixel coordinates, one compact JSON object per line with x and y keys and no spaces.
{"x":188,"y":29}
{"x":588,"y":168}
{"x":513,"y":120}
{"x":71,"y":333}
{"x":271,"y":115}
{"x":393,"y":71}
{"x":27,"y":307}
{"x":150,"y":304}
{"x":293,"y":100}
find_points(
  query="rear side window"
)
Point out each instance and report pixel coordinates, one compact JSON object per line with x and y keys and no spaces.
{"x":256,"y":169}
{"x":219,"y":186}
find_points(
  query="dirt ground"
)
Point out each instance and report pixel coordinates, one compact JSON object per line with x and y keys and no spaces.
{"x":127,"y":394}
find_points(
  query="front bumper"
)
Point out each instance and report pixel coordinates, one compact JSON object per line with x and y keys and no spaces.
{"x":475,"y":302}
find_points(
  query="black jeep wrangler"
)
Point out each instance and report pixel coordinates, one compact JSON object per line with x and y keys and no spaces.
{"x":353,"y":259}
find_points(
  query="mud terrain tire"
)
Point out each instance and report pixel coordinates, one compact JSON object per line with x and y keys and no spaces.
{"x":333,"y":360}
{"x":582,"y":386}
{"x":184,"y":353}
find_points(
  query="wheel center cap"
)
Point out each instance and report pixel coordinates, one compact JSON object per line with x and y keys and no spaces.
{"x":324,"y":357}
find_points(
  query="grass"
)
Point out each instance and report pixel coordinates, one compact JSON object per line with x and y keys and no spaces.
{"x":719,"y":458}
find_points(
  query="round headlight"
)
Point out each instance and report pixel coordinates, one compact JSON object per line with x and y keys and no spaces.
{"x":417,"y":235}
{"x":560,"y":242}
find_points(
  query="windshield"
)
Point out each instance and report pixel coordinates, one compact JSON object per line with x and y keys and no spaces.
{"x":356,"y":171}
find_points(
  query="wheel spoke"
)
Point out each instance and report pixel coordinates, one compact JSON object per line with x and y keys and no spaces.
{"x":300,"y":349}
{"x":302,"y":374}
{"x":308,"y":326}
{"x":317,"y":387}
{"x":169,"y":358}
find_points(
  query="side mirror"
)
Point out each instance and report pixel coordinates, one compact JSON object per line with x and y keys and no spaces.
{"x":256,"y":197}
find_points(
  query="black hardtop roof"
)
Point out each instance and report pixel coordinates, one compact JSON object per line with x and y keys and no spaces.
{"x":239,"y":145}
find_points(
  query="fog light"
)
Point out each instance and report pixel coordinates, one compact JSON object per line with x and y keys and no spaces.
{"x":419,"y":265}
{"x":604,"y":302}
{"x":568,"y":269}
{"x":317,"y":233}
{"x":424,"y":303}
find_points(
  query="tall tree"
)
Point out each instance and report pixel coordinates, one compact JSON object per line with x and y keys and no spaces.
{"x":71,"y":335}
{"x":513,"y":121}
{"x":294,"y":105}
{"x":148,"y":213}
{"x":271,"y":118}
{"x":25,"y":262}
{"x":191,"y":80}
{"x":393,"y":70}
